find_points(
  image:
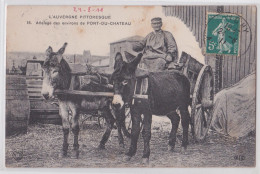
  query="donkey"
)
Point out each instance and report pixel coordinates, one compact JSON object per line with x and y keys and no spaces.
{"x":57,"y":75}
{"x":167,"y":92}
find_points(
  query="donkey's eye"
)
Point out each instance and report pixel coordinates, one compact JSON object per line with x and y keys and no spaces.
{"x":124,"y":82}
{"x":54,"y":72}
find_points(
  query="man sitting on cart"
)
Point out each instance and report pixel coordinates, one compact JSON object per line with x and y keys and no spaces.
{"x":159,"y":48}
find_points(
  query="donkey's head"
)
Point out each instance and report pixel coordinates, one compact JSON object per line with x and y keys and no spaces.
{"x":123,"y":75}
{"x":56,"y":72}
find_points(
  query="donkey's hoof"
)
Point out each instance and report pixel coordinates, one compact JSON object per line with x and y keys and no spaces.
{"x":170,"y":148}
{"x":184,"y":150}
{"x":145,"y":161}
{"x":62,"y":154}
{"x":75,"y":154}
{"x":126,"y":158}
{"x":122,"y":146}
{"x":121,"y":149}
{"x":101,"y":147}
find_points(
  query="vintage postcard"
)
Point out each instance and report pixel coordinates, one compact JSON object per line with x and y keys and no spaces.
{"x":130,"y":86}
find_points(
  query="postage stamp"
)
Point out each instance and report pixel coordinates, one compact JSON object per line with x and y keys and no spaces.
{"x":223,"y":31}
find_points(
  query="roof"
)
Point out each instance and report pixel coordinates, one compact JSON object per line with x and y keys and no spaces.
{"x":35,"y":61}
{"x":129,"y":39}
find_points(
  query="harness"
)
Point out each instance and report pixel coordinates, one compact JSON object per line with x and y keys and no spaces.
{"x":141,"y":88}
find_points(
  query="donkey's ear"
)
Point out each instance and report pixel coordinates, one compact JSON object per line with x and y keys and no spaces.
{"x":48,"y":51}
{"x":59,"y":58}
{"x":62,"y":49}
{"x":133,"y":64}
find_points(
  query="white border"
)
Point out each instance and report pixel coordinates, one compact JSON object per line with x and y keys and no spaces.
{"x":4,"y":3}
{"x":2,"y":81}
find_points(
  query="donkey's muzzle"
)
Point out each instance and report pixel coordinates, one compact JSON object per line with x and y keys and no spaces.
{"x":117,"y":102}
{"x":117,"y":106}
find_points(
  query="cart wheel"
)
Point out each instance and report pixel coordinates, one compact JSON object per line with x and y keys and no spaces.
{"x":83,"y":118}
{"x":101,"y":122}
{"x":202,"y":103}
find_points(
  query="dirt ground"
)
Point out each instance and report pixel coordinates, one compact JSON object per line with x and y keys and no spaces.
{"x":41,"y":145}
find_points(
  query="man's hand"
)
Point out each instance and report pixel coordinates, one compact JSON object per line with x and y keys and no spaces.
{"x":168,"y":58}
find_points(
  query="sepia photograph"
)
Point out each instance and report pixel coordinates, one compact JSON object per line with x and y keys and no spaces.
{"x":117,"y":86}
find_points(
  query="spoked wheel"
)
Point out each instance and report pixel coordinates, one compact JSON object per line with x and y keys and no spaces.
{"x":83,"y":117}
{"x":202,"y":103}
{"x":101,"y":121}
{"x":94,"y":117}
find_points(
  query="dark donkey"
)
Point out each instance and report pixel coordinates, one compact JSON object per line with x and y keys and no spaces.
{"x":167,"y":92}
{"x":57,"y":75}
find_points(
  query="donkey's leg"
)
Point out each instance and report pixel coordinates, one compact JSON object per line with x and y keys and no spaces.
{"x":124,"y":129}
{"x":64,"y":113}
{"x":110,"y":123}
{"x":147,"y":136}
{"x":185,"y":119}
{"x":136,"y":118}
{"x":75,"y":131}
{"x":175,"y":119}
{"x":119,"y":122}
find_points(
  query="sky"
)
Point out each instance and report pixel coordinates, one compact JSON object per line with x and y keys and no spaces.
{"x":33,"y":37}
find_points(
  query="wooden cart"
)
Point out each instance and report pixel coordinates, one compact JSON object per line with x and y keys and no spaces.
{"x":202,"y":94}
{"x":93,"y":116}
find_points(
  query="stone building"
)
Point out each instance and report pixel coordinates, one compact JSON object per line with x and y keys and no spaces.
{"x":121,"y":46}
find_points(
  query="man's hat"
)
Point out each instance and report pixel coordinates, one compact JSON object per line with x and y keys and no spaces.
{"x":157,"y":19}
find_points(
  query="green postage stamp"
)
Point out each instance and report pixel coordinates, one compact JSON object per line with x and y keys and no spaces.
{"x":223,"y":32}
